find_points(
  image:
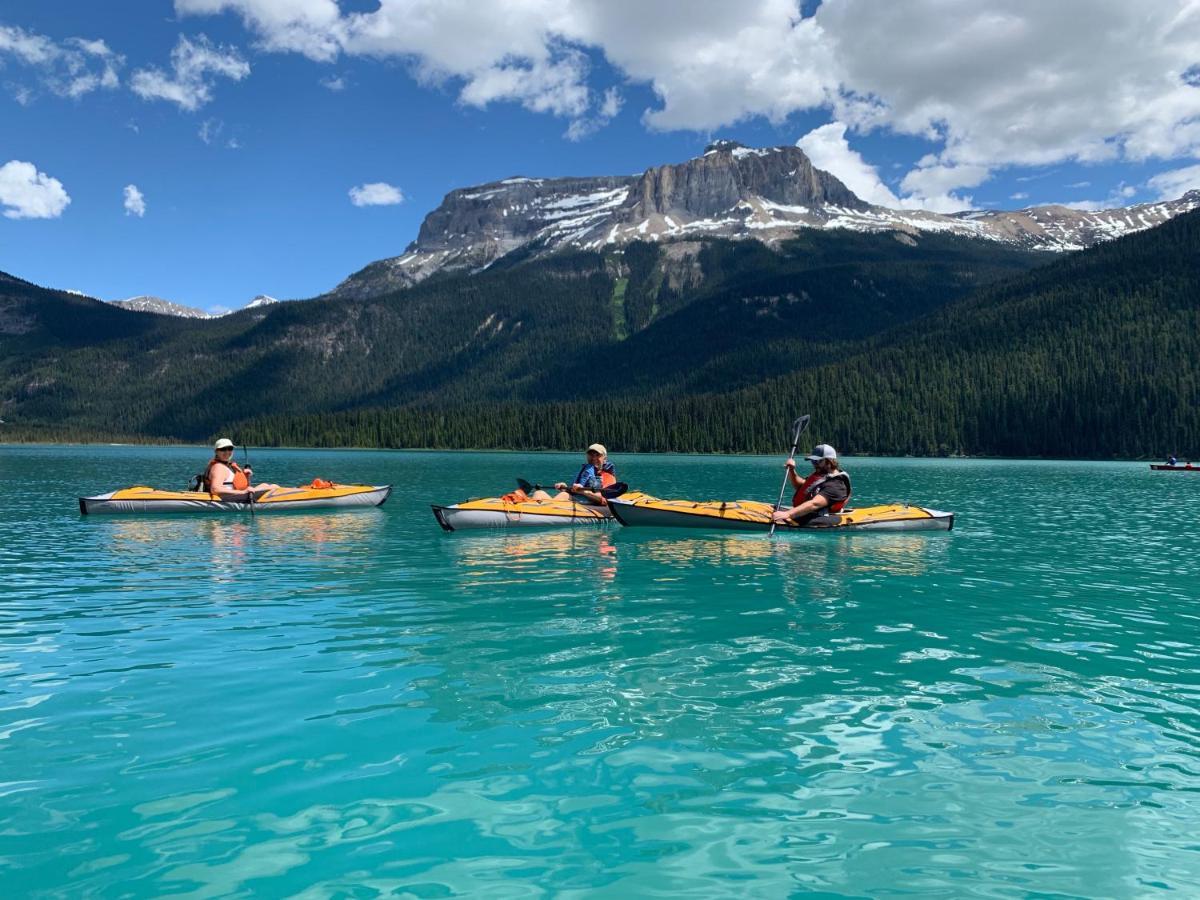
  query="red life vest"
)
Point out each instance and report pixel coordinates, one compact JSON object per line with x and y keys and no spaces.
{"x":812,"y":484}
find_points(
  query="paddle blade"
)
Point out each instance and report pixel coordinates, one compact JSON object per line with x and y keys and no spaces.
{"x":798,"y":428}
{"x":614,"y":490}
{"x":525,"y":486}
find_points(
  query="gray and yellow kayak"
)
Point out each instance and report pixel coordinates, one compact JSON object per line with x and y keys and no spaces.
{"x":512,"y":512}
{"x":142,"y":499}
{"x":754,"y":515}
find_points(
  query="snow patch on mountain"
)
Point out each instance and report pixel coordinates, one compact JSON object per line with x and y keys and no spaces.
{"x":161,"y":307}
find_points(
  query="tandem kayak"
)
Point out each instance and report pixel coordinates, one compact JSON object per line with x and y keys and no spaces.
{"x":142,"y":499}
{"x":1167,"y":468}
{"x":753,"y":515}
{"x":503,"y":512}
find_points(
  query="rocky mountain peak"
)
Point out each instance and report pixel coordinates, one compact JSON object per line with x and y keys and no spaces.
{"x":731,"y":191}
{"x":730,"y":178}
{"x":718,"y":146}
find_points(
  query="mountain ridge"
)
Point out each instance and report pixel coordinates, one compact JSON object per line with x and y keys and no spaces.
{"x":730,"y":191}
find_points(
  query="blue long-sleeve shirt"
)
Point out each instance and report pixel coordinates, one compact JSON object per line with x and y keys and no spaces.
{"x":589,"y":478}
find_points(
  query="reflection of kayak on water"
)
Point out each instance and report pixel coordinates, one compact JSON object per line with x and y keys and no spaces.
{"x":142,"y":499}
{"x":754,"y":515}
{"x":513,"y":512}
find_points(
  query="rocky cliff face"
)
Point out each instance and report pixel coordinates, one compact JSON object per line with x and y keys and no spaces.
{"x":731,"y":191}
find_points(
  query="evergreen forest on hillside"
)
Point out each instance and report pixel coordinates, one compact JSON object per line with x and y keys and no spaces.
{"x":940,"y":345}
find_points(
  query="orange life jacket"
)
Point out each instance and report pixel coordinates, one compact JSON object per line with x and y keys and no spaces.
{"x":240,"y":481}
{"x":813,"y":483}
{"x":607,"y":479}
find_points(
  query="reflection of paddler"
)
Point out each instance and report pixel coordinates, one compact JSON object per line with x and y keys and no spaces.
{"x":513,"y":557}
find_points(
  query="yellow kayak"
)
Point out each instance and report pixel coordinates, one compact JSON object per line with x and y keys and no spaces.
{"x":509,"y":512}
{"x":754,"y":515}
{"x":142,"y":499}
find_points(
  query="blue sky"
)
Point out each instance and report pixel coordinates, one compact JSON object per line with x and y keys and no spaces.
{"x":243,"y":126}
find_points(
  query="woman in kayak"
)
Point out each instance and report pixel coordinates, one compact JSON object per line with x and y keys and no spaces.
{"x":595,"y":474}
{"x":226,"y":478}
{"x":826,"y":490}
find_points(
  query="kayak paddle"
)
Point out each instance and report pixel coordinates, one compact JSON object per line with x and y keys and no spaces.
{"x":249,"y":487}
{"x":613,"y":490}
{"x":797,"y":429}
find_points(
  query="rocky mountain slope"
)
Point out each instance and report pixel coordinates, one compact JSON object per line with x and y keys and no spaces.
{"x":506,"y":334}
{"x":731,"y":191}
{"x":162,"y":307}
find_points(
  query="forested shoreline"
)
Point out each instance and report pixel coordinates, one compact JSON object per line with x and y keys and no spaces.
{"x":951,"y":348}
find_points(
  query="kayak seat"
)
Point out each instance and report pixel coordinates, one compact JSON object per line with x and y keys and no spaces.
{"x":823,"y":521}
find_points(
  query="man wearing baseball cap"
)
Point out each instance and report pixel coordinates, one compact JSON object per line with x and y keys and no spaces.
{"x":823,"y":492}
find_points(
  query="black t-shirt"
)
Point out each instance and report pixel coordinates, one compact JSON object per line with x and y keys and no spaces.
{"x":834,"y":490}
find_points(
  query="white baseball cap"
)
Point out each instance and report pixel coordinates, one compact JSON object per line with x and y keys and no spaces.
{"x":222,"y":444}
{"x":822,"y":451}
{"x":599,"y":448}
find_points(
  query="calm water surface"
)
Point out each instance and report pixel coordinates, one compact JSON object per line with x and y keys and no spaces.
{"x":359,"y":705}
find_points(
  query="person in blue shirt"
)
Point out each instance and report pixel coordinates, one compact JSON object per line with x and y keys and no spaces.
{"x":595,"y":474}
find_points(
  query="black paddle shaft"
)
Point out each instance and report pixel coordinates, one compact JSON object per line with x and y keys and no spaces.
{"x":613,"y":490}
{"x":797,"y":429}
{"x":249,"y":487}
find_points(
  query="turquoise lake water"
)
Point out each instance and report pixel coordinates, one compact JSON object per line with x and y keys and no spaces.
{"x":357,"y":704}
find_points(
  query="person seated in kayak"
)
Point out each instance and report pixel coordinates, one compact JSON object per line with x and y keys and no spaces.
{"x":596,"y":474}
{"x":1172,"y":460}
{"x":226,"y":478}
{"x":823,"y":492}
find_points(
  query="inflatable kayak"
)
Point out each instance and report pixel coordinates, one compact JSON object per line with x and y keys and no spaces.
{"x":144,"y":499}
{"x":510,"y":512}
{"x":753,"y":515}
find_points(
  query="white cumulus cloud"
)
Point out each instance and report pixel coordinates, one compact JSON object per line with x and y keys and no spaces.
{"x":610,"y":105}
{"x":195,"y":66}
{"x":376,"y":193}
{"x":311,"y":27}
{"x":135,"y":201}
{"x":1175,"y":183}
{"x":26,"y":193}
{"x":828,"y":149}
{"x":70,"y":68}
{"x":991,"y":84}
{"x":1001,"y":83}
